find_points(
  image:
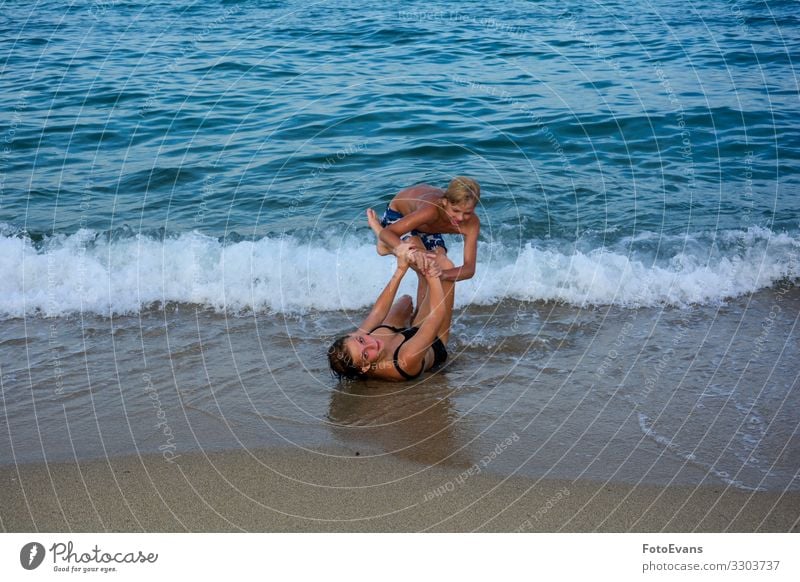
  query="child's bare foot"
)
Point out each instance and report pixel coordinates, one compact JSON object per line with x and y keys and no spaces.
{"x":375,"y":225}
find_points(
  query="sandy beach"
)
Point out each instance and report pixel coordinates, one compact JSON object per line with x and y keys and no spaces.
{"x":282,"y":490}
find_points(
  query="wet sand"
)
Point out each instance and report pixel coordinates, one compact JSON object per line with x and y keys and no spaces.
{"x":288,"y":490}
{"x":702,"y":396}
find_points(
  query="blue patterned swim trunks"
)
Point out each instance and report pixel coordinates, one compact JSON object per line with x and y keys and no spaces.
{"x":431,"y":241}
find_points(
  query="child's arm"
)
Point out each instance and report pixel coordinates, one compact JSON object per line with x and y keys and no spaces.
{"x":385,"y":300}
{"x":467,"y":270}
{"x":412,"y":353}
{"x":390,"y":235}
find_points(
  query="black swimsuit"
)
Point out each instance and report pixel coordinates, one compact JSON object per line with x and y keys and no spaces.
{"x":439,"y":350}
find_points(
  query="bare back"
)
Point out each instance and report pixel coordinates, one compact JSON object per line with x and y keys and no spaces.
{"x":414,"y":197}
{"x":421,"y":196}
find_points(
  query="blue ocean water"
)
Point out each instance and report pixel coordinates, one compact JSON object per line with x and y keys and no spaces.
{"x":223,"y":153}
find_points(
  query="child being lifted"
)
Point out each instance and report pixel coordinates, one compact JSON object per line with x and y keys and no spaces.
{"x":421,"y":214}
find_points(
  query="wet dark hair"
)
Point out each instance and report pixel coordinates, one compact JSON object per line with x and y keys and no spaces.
{"x":341,"y":363}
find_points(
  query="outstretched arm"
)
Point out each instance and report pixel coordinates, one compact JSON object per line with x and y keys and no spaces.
{"x":412,"y":353}
{"x":385,"y":300}
{"x":467,"y":270}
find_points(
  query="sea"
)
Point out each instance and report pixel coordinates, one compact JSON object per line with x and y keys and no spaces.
{"x":183,"y":188}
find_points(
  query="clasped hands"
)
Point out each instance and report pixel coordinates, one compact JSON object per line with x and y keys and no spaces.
{"x":419,"y":260}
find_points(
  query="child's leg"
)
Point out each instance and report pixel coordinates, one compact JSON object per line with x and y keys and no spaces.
{"x":375,"y":225}
{"x":400,"y":313}
{"x":449,"y":288}
{"x":422,"y":284}
{"x":422,"y":295}
{"x":423,"y":304}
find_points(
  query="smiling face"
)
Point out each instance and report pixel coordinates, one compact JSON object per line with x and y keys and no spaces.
{"x":458,"y":213}
{"x":364,"y":349}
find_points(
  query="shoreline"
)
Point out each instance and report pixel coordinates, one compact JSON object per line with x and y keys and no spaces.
{"x":671,"y":397}
{"x":289,"y":490}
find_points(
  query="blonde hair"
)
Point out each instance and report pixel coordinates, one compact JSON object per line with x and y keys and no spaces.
{"x":462,"y":189}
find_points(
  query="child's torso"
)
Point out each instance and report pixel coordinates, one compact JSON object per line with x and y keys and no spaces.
{"x":420,"y":196}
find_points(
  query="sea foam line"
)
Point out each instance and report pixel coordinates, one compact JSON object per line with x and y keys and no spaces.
{"x":92,"y":273}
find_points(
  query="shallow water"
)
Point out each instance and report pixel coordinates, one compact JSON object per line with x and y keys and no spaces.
{"x":699,"y":395}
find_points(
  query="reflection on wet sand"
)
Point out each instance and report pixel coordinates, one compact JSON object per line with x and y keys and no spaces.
{"x":417,"y":422}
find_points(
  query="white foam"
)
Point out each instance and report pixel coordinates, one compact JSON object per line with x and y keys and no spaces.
{"x":86,"y":272}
